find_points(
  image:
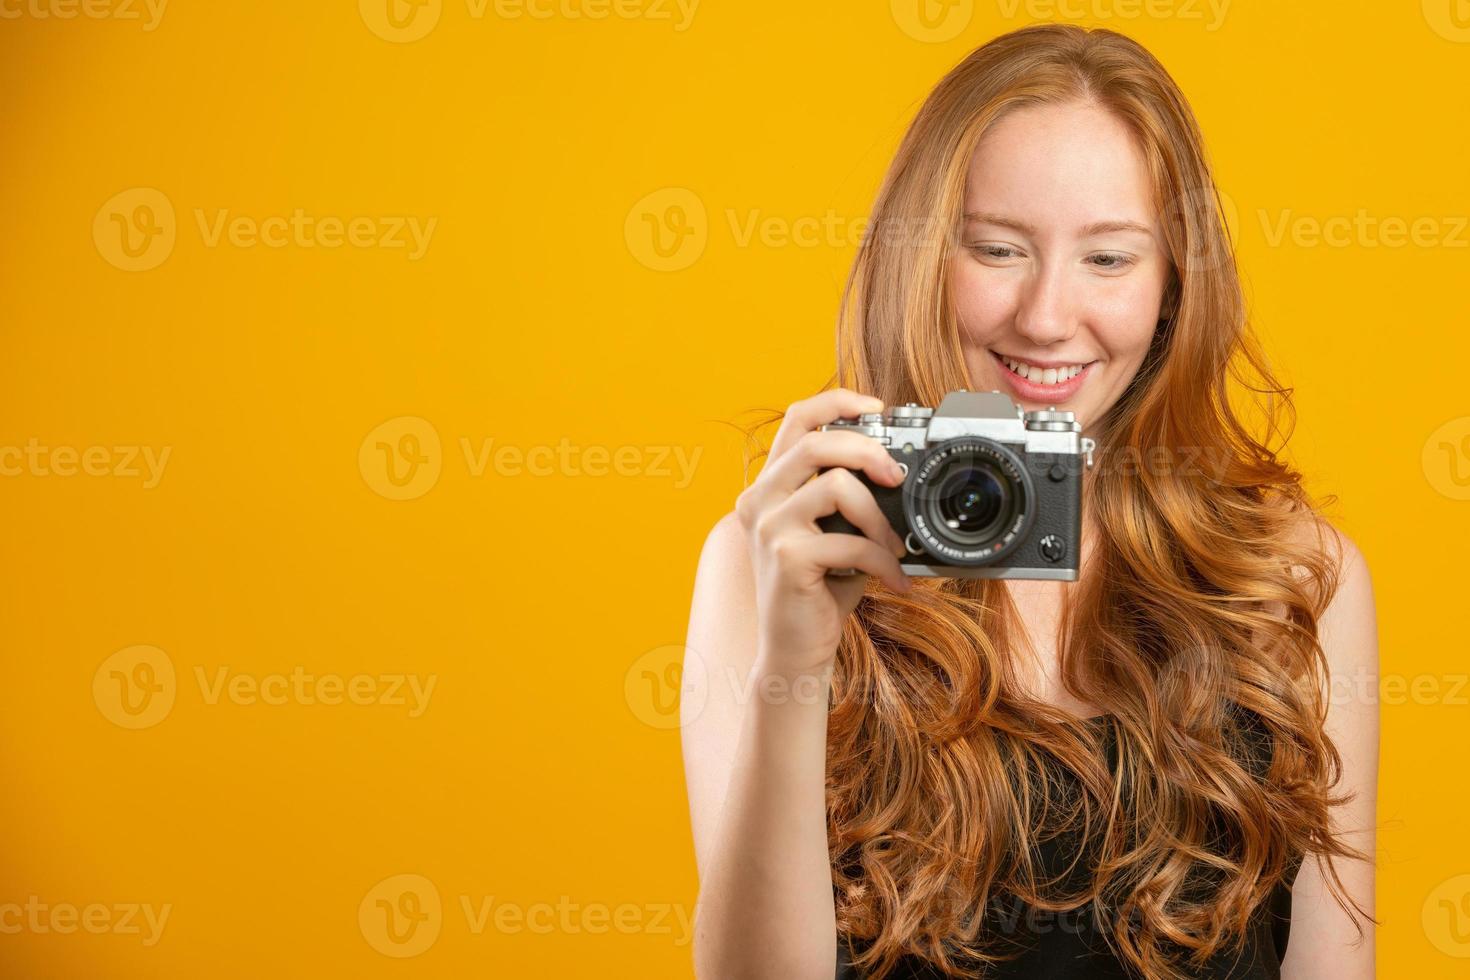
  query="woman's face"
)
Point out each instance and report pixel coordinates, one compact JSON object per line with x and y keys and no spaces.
{"x":1060,"y":274}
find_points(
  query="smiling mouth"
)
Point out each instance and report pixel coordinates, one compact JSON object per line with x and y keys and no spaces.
{"x":1038,"y":375}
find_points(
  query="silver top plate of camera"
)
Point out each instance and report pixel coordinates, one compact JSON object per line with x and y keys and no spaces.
{"x":989,"y":414}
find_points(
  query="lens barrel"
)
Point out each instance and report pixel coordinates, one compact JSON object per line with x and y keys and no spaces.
{"x":969,"y":501}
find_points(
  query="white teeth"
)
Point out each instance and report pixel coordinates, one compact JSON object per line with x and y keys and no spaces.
{"x":1044,"y":376}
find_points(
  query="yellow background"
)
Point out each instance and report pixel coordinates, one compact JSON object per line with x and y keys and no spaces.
{"x":545,"y":770}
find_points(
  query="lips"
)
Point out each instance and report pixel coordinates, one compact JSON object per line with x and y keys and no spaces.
{"x":1026,"y":389}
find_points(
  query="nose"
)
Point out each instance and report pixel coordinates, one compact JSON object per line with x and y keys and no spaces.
{"x":1046,"y":313}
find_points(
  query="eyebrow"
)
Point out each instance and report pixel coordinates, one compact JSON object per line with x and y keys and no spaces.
{"x":1096,"y":228}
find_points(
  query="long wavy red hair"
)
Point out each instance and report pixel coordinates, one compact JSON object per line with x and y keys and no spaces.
{"x":1200,"y":594}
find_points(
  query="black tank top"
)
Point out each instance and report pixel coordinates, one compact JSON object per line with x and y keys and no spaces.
{"x":1071,"y":945}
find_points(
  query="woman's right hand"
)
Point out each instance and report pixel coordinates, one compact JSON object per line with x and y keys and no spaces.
{"x":800,"y":607}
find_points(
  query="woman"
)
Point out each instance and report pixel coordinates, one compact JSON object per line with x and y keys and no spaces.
{"x":1137,"y":774}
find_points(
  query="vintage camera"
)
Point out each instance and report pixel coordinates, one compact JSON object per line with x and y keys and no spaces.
{"x":989,"y":491}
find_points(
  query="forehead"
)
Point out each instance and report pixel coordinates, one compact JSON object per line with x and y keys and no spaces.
{"x":1072,"y":162}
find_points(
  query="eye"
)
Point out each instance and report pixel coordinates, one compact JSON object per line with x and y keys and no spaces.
{"x":990,"y":250}
{"x":1111,"y":261}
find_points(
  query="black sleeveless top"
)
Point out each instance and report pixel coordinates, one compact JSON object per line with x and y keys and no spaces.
{"x":1071,"y":945}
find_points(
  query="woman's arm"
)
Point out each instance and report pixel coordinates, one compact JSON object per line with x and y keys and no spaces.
{"x":755,"y":765}
{"x":1324,"y":943}
{"x":766,"y":622}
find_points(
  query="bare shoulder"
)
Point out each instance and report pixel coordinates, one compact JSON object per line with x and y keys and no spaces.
{"x":724,"y":592}
{"x":1352,"y":597}
{"x":725,"y":550}
{"x":1311,"y":533}
{"x":1312,"y":529}
{"x":1348,"y":632}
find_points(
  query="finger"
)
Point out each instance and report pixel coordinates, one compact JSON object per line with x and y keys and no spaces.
{"x":822,"y":553}
{"x":816,"y":451}
{"x":825,"y":450}
{"x":811,"y":413}
{"x":840,"y":492}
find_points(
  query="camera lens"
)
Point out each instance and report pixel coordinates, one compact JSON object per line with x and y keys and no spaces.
{"x":971,"y":500}
{"x":968,"y":502}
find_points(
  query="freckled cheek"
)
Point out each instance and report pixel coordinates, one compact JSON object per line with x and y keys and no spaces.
{"x":986,"y":304}
{"x":1125,"y":318}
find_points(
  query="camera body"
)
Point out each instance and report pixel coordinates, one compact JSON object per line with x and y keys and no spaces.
{"x":989,"y":491}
